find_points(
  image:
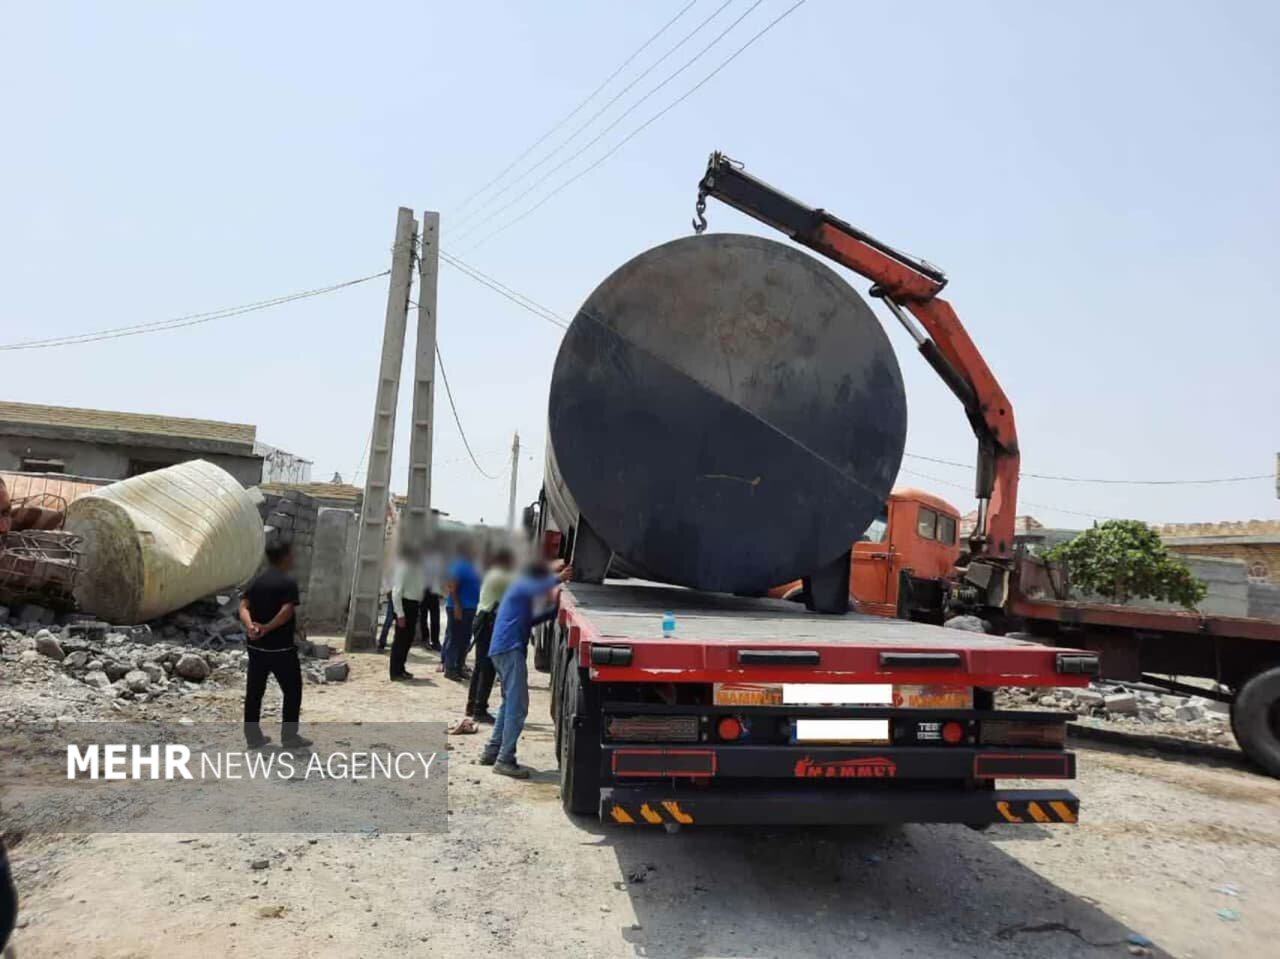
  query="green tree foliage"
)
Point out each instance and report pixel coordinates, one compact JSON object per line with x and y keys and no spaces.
{"x":1123,"y":559}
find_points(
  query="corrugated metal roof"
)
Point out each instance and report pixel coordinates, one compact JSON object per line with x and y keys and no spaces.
{"x":111,"y":421}
{"x":55,"y":485}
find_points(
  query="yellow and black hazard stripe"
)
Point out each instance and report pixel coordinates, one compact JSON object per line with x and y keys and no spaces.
{"x":648,"y":813}
{"x":1039,"y":810}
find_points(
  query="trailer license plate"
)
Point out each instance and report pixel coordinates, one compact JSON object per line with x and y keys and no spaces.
{"x":840,"y":731}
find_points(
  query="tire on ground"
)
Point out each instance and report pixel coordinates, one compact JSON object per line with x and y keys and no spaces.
{"x":579,"y":748}
{"x":1255,"y":718}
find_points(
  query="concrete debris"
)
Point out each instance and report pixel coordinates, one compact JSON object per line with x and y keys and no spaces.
{"x":336,"y":672}
{"x":1109,"y":705}
{"x":1121,"y":703}
{"x":192,"y":667}
{"x":73,"y":669}
{"x":971,"y":624}
{"x":48,"y":645}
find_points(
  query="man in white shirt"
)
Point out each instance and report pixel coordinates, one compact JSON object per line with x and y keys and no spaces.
{"x":433,"y":570}
{"x":408,"y":584}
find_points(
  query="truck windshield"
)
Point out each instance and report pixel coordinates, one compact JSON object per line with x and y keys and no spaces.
{"x":877,"y":530}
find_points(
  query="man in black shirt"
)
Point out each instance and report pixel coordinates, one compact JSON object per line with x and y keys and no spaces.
{"x":267,"y":610}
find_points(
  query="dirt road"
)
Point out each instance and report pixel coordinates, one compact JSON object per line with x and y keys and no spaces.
{"x":515,"y":877}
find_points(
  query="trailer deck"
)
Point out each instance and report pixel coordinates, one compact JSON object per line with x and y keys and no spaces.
{"x":720,"y":638}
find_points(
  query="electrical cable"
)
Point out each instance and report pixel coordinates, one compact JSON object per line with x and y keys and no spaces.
{"x":1115,"y":482}
{"x":1021,"y":501}
{"x":574,"y":112}
{"x":519,"y":299}
{"x":458,"y":420}
{"x":469,"y":227}
{"x":640,"y":129}
{"x":190,"y":319}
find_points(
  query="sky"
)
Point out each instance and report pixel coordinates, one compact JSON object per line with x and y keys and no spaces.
{"x":1099,"y":181}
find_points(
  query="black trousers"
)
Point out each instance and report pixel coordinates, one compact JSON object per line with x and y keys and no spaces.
{"x":8,"y":899}
{"x":431,"y":616}
{"x":404,"y":636}
{"x":284,"y":666}
{"x":483,"y":675}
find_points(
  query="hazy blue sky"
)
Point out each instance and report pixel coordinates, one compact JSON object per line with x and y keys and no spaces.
{"x":1098,"y":179}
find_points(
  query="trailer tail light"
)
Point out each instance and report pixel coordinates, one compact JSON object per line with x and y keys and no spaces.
{"x":652,"y":729}
{"x":1006,"y":732}
{"x":730,"y":728}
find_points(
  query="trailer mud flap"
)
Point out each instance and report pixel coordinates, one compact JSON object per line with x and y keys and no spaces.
{"x":651,"y":806}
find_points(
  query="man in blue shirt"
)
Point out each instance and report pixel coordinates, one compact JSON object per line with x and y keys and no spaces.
{"x":509,"y":653}
{"x":460,"y":607}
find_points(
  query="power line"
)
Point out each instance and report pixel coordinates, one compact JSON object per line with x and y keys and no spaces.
{"x":1114,"y":482}
{"x":1021,"y":501}
{"x":519,"y":299}
{"x":640,"y":129}
{"x":468,"y":228}
{"x":461,"y":432}
{"x":574,"y":112}
{"x":190,"y":319}
{"x":617,"y":120}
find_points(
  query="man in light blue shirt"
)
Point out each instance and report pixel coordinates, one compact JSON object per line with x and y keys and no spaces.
{"x":509,"y":652}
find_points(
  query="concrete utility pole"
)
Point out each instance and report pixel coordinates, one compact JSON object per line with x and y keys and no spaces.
{"x":417,"y":517}
{"x":515,"y":470}
{"x":362,"y":618}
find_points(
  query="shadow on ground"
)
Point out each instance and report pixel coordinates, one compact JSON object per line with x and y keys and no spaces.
{"x":915,"y":891}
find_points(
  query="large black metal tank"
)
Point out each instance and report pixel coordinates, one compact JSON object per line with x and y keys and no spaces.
{"x":726,"y":413}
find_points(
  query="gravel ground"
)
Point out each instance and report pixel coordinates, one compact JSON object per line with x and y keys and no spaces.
{"x":1162,"y":848}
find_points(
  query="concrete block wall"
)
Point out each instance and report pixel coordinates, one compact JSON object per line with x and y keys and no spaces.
{"x":332,"y":567}
{"x":1225,"y":580}
{"x":293,"y":516}
{"x":1264,"y":601}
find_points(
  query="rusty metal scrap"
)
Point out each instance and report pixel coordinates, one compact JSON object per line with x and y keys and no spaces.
{"x":39,"y":566}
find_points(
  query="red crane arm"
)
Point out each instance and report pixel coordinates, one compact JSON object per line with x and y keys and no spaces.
{"x":909,"y":287}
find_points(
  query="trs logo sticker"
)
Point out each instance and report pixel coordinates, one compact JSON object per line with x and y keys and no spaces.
{"x":876,"y":767}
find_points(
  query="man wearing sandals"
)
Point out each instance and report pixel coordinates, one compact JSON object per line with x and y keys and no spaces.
{"x":509,"y":651}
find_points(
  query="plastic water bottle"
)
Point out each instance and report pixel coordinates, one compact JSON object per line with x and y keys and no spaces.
{"x":669,"y":624}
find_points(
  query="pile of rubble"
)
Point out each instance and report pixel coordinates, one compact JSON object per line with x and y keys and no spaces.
{"x":1119,"y":705}
{"x":199,"y":646}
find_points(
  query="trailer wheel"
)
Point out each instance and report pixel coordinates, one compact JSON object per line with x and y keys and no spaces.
{"x":1255,"y":718}
{"x":579,"y":749}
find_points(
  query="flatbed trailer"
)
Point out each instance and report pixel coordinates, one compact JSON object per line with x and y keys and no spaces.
{"x":759,"y":711}
{"x":1241,"y":654}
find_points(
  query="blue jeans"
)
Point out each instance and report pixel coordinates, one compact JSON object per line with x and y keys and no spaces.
{"x":457,"y":640}
{"x":513,"y":672}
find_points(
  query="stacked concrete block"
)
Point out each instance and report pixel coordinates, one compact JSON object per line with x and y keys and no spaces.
{"x":291,"y":518}
{"x":332,"y":568}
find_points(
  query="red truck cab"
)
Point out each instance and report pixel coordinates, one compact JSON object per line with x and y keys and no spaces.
{"x":903,"y":560}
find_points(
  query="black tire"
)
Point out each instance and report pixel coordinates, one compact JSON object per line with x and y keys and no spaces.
{"x":543,"y":644}
{"x":579,"y":748}
{"x":1255,"y":719}
{"x":558,"y":657}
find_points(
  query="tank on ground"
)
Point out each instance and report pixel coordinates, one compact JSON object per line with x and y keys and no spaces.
{"x":726,"y":413}
{"x":156,"y":542}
